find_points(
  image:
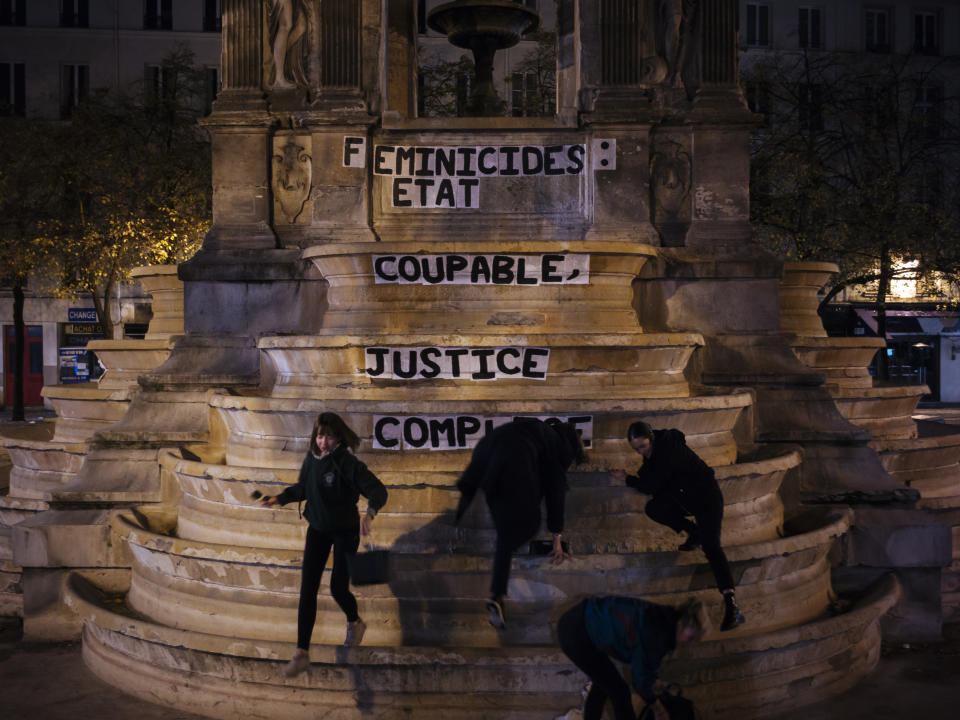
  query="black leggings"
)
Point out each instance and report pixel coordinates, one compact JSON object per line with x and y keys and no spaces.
{"x":316,"y":551}
{"x":607,"y":682}
{"x":668,"y":511}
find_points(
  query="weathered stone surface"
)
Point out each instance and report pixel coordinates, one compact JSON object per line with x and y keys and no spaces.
{"x":220,"y":676}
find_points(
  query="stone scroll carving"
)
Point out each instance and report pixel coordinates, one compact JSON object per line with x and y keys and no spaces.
{"x":292,"y":33}
{"x":292,"y":171}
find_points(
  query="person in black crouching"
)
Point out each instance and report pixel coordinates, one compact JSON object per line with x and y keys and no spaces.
{"x":517,"y":465}
{"x":682,"y":486}
{"x":633,"y":631}
{"x":331,"y":481}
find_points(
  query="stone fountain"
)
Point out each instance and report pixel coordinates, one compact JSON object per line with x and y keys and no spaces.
{"x":483,"y":27}
{"x":571,"y":281}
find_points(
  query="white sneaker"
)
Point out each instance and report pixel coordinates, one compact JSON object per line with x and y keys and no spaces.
{"x":298,"y":663}
{"x":355,"y":631}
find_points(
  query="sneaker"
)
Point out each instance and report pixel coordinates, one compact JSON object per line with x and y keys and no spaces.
{"x":692,"y":542}
{"x":355,"y":631}
{"x":298,"y":663}
{"x":495,"y":613}
{"x":732,"y":616}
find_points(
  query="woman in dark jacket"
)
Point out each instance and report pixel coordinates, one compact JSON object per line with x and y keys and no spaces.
{"x":683,"y":485}
{"x":331,"y":481}
{"x":517,"y":465}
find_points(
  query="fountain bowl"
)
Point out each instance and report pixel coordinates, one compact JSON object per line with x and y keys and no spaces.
{"x":497,"y":24}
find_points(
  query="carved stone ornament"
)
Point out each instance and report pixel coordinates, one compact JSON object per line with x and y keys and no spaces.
{"x":292,"y":174}
{"x":671,"y":171}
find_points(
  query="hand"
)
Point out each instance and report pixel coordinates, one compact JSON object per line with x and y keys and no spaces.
{"x":366,"y":524}
{"x":659,"y":711}
{"x":269,"y":500}
{"x":619,"y":475}
{"x":557,"y":555}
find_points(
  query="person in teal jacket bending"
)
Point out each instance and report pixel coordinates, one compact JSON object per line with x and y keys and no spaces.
{"x":331,"y":481}
{"x":630,"y":630}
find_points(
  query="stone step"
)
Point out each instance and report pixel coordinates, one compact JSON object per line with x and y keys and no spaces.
{"x":225,"y":677}
{"x":273,"y":433}
{"x":646,"y":365}
{"x":216,"y":506}
{"x":196,"y":585}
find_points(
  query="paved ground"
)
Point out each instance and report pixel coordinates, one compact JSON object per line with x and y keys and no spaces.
{"x":42,"y":681}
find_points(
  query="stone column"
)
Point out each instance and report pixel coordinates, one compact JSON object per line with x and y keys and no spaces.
{"x":720,"y":54}
{"x":241,"y":202}
{"x":241,"y":61}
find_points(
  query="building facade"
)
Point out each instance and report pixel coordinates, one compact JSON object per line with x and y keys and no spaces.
{"x":922,"y":335}
{"x":53,"y":54}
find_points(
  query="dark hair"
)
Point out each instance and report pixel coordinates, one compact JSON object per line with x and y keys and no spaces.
{"x":691,"y":614}
{"x":334,"y":424}
{"x":573,"y":444}
{"x":640,"y":429}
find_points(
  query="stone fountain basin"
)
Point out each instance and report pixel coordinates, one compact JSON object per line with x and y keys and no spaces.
{"x":273,"y":432}
{"x":85,"y":408}
{"x":163,"y":285}
{"x":126,"y":360}
{"x":798,"y":299}
{"x":631,"y":365}
{"x":844,"y":359}
{"x":886,"y":411}
{"x":929,"y":462}
{"x":751,"y":676}
{"x":358,"y":304}
{"x":40,"y":464}
{"x":216,"y":506}
{"x":252,"y":592}
{"x":496,"y":24}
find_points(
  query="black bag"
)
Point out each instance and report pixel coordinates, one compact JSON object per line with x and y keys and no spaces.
{"x":677,"y":706}
{"x":371,"y":567}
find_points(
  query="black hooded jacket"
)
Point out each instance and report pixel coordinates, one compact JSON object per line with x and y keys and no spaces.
{"x":332,"y":485}
{"x":517,"y":465}
{"x":675,"y":469}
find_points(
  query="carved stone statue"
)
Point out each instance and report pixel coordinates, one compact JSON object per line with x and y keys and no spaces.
{"x":291,"y":22}
{"x":670,"y":29}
